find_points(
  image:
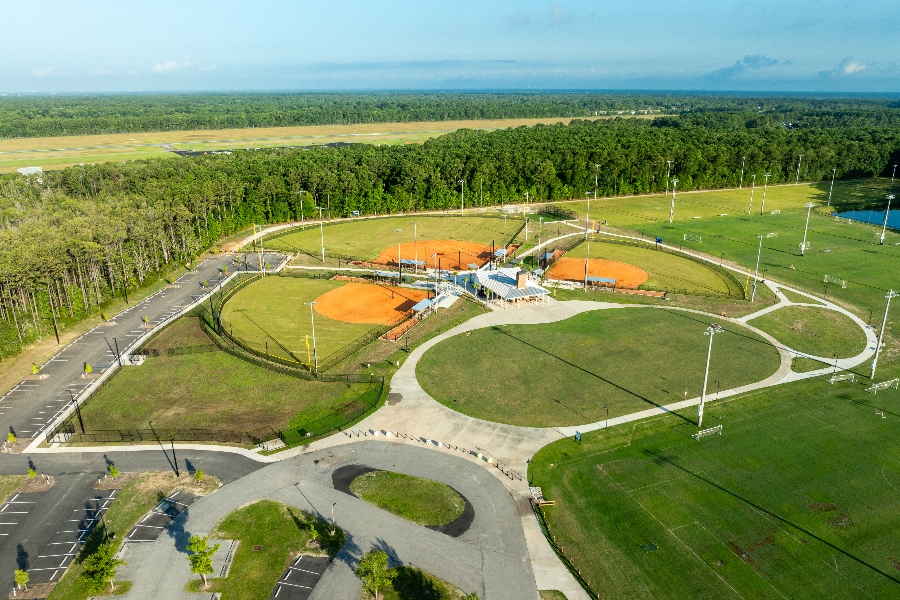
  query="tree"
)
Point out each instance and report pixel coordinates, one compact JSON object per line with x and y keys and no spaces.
{"x":22,"y":578}
{"x":201,"y":556}
{"x":99,"y":568}
{"x":374,"y":572}
{"x":198,"y":476}
{"x":113,"y":471}
{"x":472,"y":596}
{"x":11,"y":437}
{"x":31,"y":473}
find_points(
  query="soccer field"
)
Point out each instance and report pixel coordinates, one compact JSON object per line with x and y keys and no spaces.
{"x":564,"y":373}
{"x":799,"y":498}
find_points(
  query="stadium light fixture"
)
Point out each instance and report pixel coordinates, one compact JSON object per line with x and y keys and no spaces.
{"x":758,"y":254}
{"x":762,"y":207}
{"x":743,"y":160}
{"x":887,"y":211}
{"x":890,"y":294}
{"x":672,"y":210}
{"x":797,"y":181}
{"x":831,"y":189}
{"x":710,"y":331}
{"x":312,"y":316}
{"x":321,"y":231}
{"x":752,"y":189}
{"x":809,"y":207}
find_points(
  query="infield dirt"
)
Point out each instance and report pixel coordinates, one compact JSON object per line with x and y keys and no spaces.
{"x":368,"y":303}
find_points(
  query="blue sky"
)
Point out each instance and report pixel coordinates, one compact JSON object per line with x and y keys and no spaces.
{"x":784,"y":45}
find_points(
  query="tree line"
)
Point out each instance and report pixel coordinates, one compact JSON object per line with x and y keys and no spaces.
{"x":72,"y":240}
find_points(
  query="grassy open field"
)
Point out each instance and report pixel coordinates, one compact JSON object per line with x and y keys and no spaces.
{"x":422,"y":501}
{"x":210,"y":390}
{"x":271,"y":311}
{"x":797,"y":499}
{"x":817,"y":331}
{"x":365,"y":239}
{"x":58,"y":152}
{"x":846,"y":251}
{"x":278,"y":530}
{"x":666,"y":271}
{"x":564,"y":373}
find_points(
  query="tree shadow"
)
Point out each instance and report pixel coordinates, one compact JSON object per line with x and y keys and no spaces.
{"x":191,"y":469}
{"x":21,"y":557}
{"x":176,"y":531}
{"x":413,"y":584}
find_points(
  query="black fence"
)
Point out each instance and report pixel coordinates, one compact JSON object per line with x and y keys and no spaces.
{"x":564,"y":214}
{"x":545,"y":529}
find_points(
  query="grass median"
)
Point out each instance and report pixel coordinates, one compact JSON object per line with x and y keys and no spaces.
{"x":422,"y":501}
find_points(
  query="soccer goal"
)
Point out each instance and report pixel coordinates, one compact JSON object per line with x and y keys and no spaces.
{"x":884,"y":385}
{"x":842,"y":377}
{"x":692,"y":237}
{"x":840,"y":282}
{"x":717,"y":430}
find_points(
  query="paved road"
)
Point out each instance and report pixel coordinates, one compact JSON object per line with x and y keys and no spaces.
{"x":490,"y":558}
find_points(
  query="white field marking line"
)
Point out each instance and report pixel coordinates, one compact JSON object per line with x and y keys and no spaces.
{"x":671,"y":531}
{"x":742,"y":560}
{"x":835,"y":567}
{"x":818,"y":421}
{"x":658,"y":483}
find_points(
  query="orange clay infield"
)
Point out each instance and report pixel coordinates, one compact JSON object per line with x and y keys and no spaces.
{"x":368,"y":303}
{"x":454,"y":255}
{"x":572,"y":269}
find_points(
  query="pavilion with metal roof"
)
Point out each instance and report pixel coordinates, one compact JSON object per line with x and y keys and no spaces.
{"x":510,"y":286}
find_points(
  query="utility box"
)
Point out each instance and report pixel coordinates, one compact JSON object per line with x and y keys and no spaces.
{"x":521,"y":280}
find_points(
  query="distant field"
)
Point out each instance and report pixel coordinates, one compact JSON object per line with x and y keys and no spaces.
{"x":59,"y":152}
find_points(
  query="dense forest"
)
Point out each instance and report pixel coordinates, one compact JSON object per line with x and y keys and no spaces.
{"x":39,"y":116}
{"x":71,"y":240}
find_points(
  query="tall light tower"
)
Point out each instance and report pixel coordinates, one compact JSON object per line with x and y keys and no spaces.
{"x":887,"y":211}
{"x":894,"y":172}
{"x":758,"y":254}
{"x":596,"y":179}
{"x":586,"y":259}
{"x":398,"y":232}
{"x":462,"y":198}
{"x":743,"y":160}
{"x":321,"y":231}
{"x":312,"y":316}
{"x":416,"y":245}
{"x":890,"y":294}
{"x":762,"y":207}
{"x":831,"y":189}
{"x":752,"y":189}
{"x":587,"y":221}
{"x":809,"y":207}
{"x":672,"y":209}
{"x":525,"y":215}
{"x":797,"y":181}
{"x":710,"y":331}
{"x":668,"y":170}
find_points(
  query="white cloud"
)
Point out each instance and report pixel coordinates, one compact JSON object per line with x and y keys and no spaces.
{"x":45,"y":72}
{"x":848,"y":66}
{"x":172,"y":65}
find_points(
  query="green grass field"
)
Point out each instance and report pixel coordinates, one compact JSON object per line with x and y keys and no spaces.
{"x":422,"y":501}
{"x":415,"y":584}
{"x":279,"y":530}
{"x":817,"y":331}
{"x":797,"y":297}
{"x":564,"y":373}
{"x":211,"y":390}
{"x":846,"y":251}
{"x":797,"y":499}
{"x":666,"y":271}
{"x":365,"y":239}
{"x":271,"y":311}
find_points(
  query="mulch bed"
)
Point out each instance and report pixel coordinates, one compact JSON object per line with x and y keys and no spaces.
{"x":36,"y":485}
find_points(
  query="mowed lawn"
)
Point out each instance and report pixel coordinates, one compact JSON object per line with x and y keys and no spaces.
{"x":666,"y":271}
{"x":364,"y":239}
{"x":269,"y":315}
{"x":422,"y":501}
{"x":798,"y":498}
{"x":210,"y":390}
{"x":563,"y":373}
{"x":838,"y":249}
{"x":817,"y":331}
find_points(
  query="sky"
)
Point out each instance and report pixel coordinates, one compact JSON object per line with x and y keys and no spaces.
{"x":200,"y":45}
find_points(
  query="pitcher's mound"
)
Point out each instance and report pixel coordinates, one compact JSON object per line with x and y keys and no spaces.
{"x":368,"y":303}
{"x":572,"y":269}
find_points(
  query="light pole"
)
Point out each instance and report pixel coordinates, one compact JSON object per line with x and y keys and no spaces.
{"x":809,"y":207}
{"x":300,"y":193}
{"x":398,"y":232}
{"x":586,"y":260}
{"x":462,"y":200}
{"x":831,"y":189}
{"x":321,"y":231}
{"x":672,"y":210}
{"x":332,"y":517}
{"x":606,"y":407}
{"x":525,"y":215}
{"x":743,"y":160}
{"x":596,"y":179}
{"x":887,"y":211}
{"x":752,"y":188}
{"x":797,"y":181}
{"x":668,"y":170}
{"x":890,"y":294}
{"x":312,"y":317}
{"x":762,"y":207}
{"x":710,"y":331}
{"x":77,"y":409}
{"x":587,"y":220}
{"x":894,"y":172}
{"x":758,"y":254}
{"x":416,"y":245}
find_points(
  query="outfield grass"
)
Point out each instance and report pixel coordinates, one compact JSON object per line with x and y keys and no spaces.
{"x":422,"y":501}
{"x":852,"y":250}
{"x":415,"y":584}
{"x":271,"y":311}
{"x":212,"y":390}
{"x":817,"y":331}
{"x":280,"y":531}
{"x":797,"y":499}
{"x":666,"y":271}
{"x":364,"y":239}
{"x":564,"y":373}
